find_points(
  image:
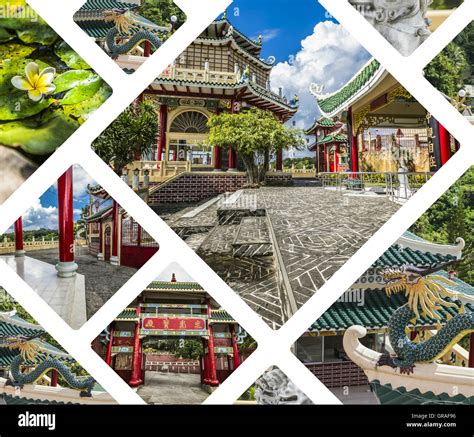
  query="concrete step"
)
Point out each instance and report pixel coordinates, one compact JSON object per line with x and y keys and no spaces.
{"x":253,"y":238}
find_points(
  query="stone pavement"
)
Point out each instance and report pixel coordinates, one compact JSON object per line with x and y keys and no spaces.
{"x":172,"y":388}
{"x":102,"y":279}
{"x":360,"y":395}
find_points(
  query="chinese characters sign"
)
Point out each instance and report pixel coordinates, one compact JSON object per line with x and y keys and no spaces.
{"x":174,"y":325}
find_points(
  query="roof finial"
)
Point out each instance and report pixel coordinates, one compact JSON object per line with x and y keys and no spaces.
{"x":173,"y":278}
{"x":224,"y":15}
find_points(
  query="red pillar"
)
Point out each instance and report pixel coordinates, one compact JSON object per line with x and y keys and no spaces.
{"x":217,"y":158}
{"x":471,"y":350}
{"x":66,"y":266}
{"x":232,"y":159}
{"x":135,"y":380}
{"x":279,"y":162}
{"x":114,"y":259}
{"x":444,"y":144}
{"x":212,"y":381}
{"x":162,"y":137}
{"x":147,"y":49}
{"x":336,"y":158}
{"x":235,"y":347}
{"x":19,"y":238}
{"x":108,"y":355}
{"x":100,"y":256}
{"x":326,"y":159}
{"x":54,"y":378}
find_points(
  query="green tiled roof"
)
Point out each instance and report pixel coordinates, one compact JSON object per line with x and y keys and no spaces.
{"x":461,"y":286}
{"x":175,"y":286}
{"x":97,"y":5}
{"x":339,"y":98}
{"x":337,"y":138}
{"x":13,"y":330}
{"x":98,"y":214}
{"x":397,"y":257}
{"x":95,"y":29}
{"x":221,"y":316}
{"x":373,"y":314}
{"x":400,"y":396}
{"x":18,"y":400}
{"x":127,"y":315}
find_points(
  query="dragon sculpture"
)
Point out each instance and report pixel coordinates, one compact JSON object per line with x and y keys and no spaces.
{"x":426,"y":295}
{"x":32,"y":351}
{"x":403,"y":22}
{"x":133,"y":29}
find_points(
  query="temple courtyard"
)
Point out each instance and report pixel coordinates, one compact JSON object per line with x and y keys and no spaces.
{"x":276,"y":246}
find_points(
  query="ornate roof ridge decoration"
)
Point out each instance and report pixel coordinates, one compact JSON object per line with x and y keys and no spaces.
{"x":414,"y":242}
{"x":324,"y":122}
{"x":11,"y":318}
{"x":102,"y":213}
{"x":332,"y":103}
{"x":179,"y":286}
{"x":93,"y":10}
{"x":256,"y":44}
{"x":220,"y":315}
{"x":433,"y":377}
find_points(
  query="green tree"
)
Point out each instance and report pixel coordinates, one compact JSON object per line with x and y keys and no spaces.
{"x":160,"y":12}
{"x":254,"y":134}
{"x":132,"y":133}
{"x":445,"y":4}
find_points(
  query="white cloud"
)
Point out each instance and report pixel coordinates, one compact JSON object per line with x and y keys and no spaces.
{"x":38,"y":216}
{"x":330,"y":57}
{"x":81,"y":180}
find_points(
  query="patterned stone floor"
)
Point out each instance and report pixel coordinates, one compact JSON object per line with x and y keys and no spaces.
{"x":318,"y":230}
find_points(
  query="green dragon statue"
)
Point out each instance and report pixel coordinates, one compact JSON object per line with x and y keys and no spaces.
{"x":32,"y":350}
{"x":426,"y":294}
{"x":133,"y":29}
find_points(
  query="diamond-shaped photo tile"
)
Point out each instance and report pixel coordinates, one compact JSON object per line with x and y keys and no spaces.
{"x":273,"y":388}
{"x":35,"y":369}
{"x":46,"y":92}
{"x":129,"y":31}
{"x":404,"y":332}
{"x":275,"y":192}
{"x":76,"y":246}
{"x":452,"y":72}
{"x":174,"y":344}
{"x":406,"y":24}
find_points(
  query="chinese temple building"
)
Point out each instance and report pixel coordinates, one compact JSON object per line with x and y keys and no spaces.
{"x":387,"y":127}
{"x":222,"y":70}
{"x":330,"y":145}
{"x":171,"y":311}
{"x":366,"y":304}
{"x":42,"y":369}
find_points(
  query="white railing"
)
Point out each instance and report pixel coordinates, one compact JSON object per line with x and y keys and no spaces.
{"x":178,"y":73}
{"x":397,"y":186}
{"x":9,"y":246}
{"x":158,"y":171}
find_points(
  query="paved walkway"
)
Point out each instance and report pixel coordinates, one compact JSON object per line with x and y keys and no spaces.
{"x":172,"y":388}
{"x":102,"y":279}
{"x":361,"y":395}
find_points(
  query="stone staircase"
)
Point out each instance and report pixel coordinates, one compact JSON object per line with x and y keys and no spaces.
{"x":253,"y":238}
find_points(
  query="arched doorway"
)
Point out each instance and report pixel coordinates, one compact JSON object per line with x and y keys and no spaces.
{"x":187,"y":138}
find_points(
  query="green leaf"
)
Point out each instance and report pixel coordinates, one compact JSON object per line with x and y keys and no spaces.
{"x":38,"y":34}
{"x":38,"y":137}
{"x":83,"y":91}
{"x":18,"y":105}
{"x":5,"y":35}
{"x":13,"y":51}
{"x":70,"y":57}
{"x":70,"y":79}
{"x":14,"y":67}
{"x":81,"y":111}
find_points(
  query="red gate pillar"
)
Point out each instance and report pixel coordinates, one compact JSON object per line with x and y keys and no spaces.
{"x":66,"y":266}
{"x":114,"y":259}
{"x":279,"y":162}
{"x":19,"y":251}
{"x":471,"y":350}
{"x":147,"y":49}
{"x":162,"y":137}
{"x":232,"y":160}
{"x":217,"y":158}
{"x":212,"y":381}
{"x":444,"y":144}
{"x":108,"y":355}
{"x":235,"y":347}
{"x":135,"y":380}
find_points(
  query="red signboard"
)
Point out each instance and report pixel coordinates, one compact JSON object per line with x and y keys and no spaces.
{"x":174,"y":323}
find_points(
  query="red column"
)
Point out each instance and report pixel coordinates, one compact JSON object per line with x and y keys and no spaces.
{"x":471,"y":350}
{"x":235,"y":347}
{"x":114,"y":259}
{"x":232,"y":159}
{"x":279,"y":162}
{"x":210,"y":347}
{"x":444,"y":144}
{"x":19,"y":238}
{"x":100,"y":256}
{"x":336,"y":159}
{"x":217,"y":158}
{"x":66,"y":266}
{"x":147,"y":49}
{"x":135,"y":379}
{"x":326,"y":159}
{"x":162,"y":137}
{"x":108,"y":355}
{"x":54,"y":378}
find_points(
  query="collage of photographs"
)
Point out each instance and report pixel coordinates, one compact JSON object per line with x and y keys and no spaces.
{"x":275,"y":146}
